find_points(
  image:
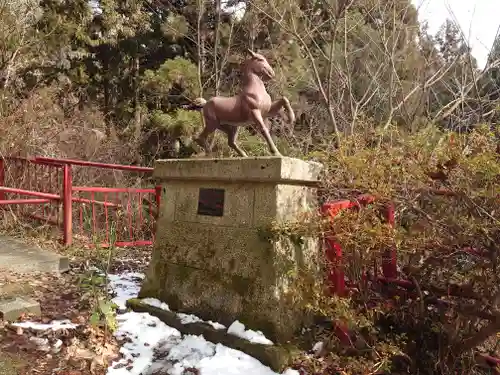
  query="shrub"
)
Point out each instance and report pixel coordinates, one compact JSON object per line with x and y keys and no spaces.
{"x":445,"y":188}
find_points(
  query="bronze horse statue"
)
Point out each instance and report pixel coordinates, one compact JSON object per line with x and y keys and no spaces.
{"x":252,"y":106}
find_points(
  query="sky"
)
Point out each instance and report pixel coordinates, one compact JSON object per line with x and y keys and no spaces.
{"x":478,"y":19}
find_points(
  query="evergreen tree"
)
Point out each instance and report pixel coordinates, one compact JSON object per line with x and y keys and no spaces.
{"x":340,"y":63}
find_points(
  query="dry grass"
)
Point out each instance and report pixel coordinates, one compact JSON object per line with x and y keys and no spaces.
{"x":430,"y":231}
{"x":42,"y":125}
{"x":11,"y":364}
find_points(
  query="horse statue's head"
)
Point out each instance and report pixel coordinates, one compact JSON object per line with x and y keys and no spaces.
{"x":258,"y":64}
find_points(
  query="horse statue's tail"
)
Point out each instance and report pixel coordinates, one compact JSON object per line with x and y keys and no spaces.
{"x":196,"y":105}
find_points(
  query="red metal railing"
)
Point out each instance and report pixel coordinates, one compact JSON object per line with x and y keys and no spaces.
{"x":339,"y":285}
{"x":333,"y":250}
{"x":335,"y":273}
{"x":32,"y":178}
{"x":122,"y":213}
{"x":124,"y":216}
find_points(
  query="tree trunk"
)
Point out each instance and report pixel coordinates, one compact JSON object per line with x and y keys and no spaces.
{"x":137,"y":104}
{"x":201,"y":45}
{"x":107,"y":94}
{"x":216,"y":46}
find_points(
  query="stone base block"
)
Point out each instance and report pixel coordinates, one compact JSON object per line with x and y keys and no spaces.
{"x":225,"y":298}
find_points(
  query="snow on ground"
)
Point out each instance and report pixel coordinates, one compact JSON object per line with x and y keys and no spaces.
{"x":256,"y":337}
{"x":126,"y":286}
{"x":55,"y":325}
{"x":150,"y":345}
{"x":318,"y":347}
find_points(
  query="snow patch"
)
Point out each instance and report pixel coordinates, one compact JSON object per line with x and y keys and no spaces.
{"x":188,"y":319}
{"x":318,"y":347}
{"x":141,"y":334}
{"x":189,"y":352}
{"x":124,"y":287}
{"x":216,"y":325}
{"x":155,"y":303}
{"x":55,"y":325}
{"x":151,"y":346}
{"x":256,"y":337}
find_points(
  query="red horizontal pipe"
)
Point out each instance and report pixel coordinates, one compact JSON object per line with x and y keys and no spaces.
{"x":492,"y":361}
{"x":89,"y":201}
{"x":31,"y":160}
{"x":23,"y":201}
{"x":83,"y":163}
{"x":30,"y":193}
{"x":111,"y":190}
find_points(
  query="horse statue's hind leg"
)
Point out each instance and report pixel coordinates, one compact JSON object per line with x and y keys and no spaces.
{"x":232,"y":134}
{"x":211,"y":125}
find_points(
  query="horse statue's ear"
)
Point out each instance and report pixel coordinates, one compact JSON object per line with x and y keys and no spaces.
{"x":250,"y":52}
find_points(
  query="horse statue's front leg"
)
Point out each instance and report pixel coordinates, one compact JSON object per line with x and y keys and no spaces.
{"x":261,"y":126}
{"x":279,"y":104}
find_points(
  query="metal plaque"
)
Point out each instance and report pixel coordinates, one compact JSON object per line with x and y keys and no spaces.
{"x":211,"y":202}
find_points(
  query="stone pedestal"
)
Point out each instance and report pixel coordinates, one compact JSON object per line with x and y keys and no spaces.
{"x":212,"y":256}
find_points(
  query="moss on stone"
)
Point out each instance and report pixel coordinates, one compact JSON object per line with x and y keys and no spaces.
{"x":242,"y":285}
{"x":182,"y":273}
{"x":224,"y":297}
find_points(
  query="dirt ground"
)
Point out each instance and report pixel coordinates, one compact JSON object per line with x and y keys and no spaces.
{"x":88,"y":349}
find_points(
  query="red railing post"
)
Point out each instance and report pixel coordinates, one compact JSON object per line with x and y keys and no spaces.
{"x":67,"y":205}
{"x":389,"y":258}
{"x":333,"y":251}
{"x":2,"y":177}
{"x":335,"y":270}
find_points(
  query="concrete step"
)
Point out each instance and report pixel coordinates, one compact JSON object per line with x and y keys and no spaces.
{"x":11,"y":309}
{"x":20,"y":257}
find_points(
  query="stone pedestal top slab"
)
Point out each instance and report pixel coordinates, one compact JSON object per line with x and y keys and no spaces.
{"x":283,"y":170}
